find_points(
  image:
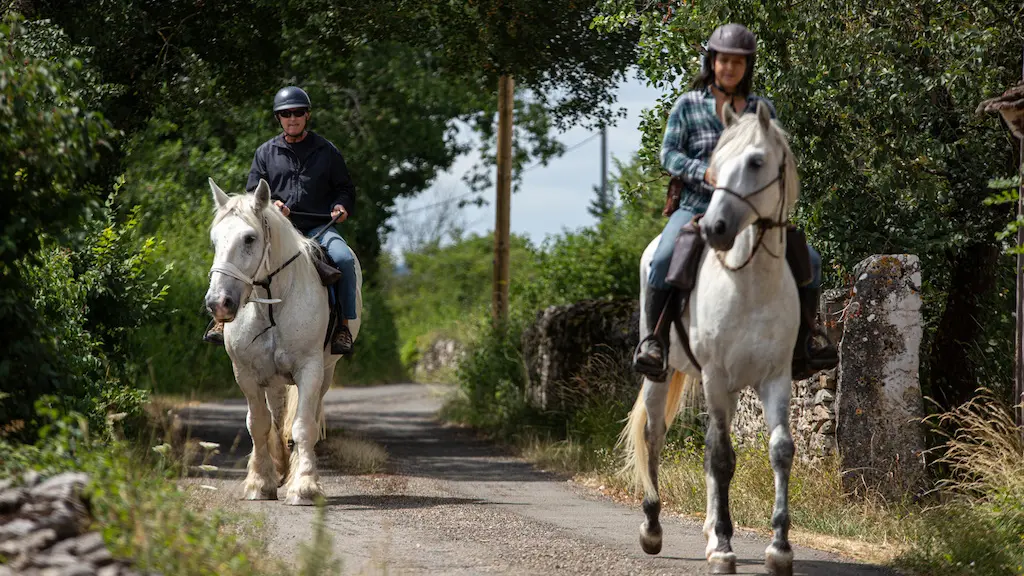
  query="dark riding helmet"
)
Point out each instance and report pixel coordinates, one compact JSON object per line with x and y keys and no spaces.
{"x":290,"y":97}
{"x":733,"y":39}
{"x":728,"y":39}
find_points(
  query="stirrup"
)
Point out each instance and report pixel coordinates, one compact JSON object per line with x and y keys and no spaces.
{"x":809,"y":364}
{"x":646,"y":369}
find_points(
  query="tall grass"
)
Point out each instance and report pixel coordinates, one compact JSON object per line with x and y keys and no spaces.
{"x":978,"y":527}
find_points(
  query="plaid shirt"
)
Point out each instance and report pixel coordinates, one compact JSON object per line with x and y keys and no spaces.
{"x":691,"y":135}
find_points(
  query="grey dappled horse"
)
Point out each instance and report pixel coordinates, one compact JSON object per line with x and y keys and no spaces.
{"x":742,"y":323}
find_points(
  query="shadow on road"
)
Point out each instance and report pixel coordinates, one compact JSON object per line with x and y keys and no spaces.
{"x":397,"y":502}
{"x":416,"y":442}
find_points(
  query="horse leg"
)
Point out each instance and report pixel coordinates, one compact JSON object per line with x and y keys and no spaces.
{"x":654,"y":398}
{"x":277,"y":394}
{"x":261,"y":480}
{"x":775,"y":398}
{"x":321,"y":418}
{"x":304,"y":486}
{"x":719,"y":466}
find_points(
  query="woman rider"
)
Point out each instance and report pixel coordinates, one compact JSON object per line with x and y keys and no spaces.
{"x":691,"y":134}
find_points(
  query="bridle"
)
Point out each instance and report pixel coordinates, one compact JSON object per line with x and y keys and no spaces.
{"x":229,"y":269}
{"x":763,"y":223}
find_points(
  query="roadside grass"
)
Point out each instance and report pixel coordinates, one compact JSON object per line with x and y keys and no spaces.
{"x":353,"y":454}
{"x":148,"y":515}
{"x":978,"y":525}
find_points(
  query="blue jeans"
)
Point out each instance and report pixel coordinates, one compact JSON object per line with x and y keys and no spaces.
{"x":344,"y":261}
{"x":663,"y":253}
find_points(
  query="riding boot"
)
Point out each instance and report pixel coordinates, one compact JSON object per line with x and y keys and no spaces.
{"x":809,"y":356}
{"x":214,"y":333}
{"x":651,"y":358}
{"x":341,"y":340}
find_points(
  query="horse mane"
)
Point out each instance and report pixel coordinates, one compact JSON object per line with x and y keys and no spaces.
{"x":285,"y":240}
{"x":746,"y":131}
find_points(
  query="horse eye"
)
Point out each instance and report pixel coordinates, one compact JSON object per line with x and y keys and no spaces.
{"x":756,"y":161}
{"x":249,"y":239}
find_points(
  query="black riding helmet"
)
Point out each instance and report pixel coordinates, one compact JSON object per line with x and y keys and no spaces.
{"x":290,"y":97}
{"x":733,"y":39}
{"x":729,"y":39}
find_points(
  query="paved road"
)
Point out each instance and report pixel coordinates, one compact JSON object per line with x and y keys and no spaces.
{"x":453,"y":504}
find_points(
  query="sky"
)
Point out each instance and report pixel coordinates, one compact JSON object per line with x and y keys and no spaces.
{"x":551,"y":198}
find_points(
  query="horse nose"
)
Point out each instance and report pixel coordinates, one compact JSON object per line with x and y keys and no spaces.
{"x":719,"y":228}
{"x":718,"y":234}
{"x":221,"y":306}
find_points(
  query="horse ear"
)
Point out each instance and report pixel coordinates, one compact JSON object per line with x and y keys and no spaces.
{"x":262,"y":195}
{"x":764,"y":115}
{"x":729,"y":116}
{"x":219,"y":197}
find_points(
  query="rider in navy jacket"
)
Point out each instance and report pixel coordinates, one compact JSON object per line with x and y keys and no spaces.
{"x":307,"y":174}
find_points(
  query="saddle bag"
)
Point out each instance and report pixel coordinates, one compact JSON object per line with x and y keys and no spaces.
{"x":686,"y":253}
{"x":673,"y":196}
{"x":797,"y":255}
{"x":329,"y":275}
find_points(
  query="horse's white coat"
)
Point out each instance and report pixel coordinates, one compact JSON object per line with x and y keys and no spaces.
{"x":252,"y":239}
{"x":742,"y":325}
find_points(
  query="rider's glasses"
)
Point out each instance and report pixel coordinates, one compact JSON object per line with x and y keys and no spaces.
{"x":290,"y":113}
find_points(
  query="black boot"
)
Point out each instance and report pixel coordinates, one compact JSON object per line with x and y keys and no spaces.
{"x":651,"y":358}
{"x":810,"y":356}
{"x":214,"y":333}
{"x":341,"y":341}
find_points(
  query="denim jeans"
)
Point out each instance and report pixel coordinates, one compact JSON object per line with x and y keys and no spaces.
{"x":663,"y":253}
{"x":344,"y":261}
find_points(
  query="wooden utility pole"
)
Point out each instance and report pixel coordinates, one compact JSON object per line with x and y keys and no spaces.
{"x":604,"y":164}
{"x":506,"y":98}
{"x":1010,"y":105}
{"x":1018,"y":387}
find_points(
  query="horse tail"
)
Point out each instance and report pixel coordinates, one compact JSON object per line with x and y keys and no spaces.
{"x":292,"y":407}
{"x":633,"y":438}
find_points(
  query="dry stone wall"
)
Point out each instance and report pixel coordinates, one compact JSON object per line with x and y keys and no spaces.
{"x":44,"y":530}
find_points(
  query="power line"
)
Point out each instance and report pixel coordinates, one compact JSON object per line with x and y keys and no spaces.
{"x":471,"y":193}
{"x":567,"y":150}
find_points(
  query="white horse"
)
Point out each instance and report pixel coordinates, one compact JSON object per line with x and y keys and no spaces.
{"x":277,"y":342}
{"x":742,"y":323}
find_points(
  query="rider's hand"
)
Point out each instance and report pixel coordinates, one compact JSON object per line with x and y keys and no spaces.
{"x":710,"y":177}
{"x":284,"y":209}
{"x":339,"y":209}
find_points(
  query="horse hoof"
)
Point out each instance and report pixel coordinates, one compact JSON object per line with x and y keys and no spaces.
{"x":258,"y":492}
{"x":722,"y":563}
{"x":650,"y":539}
{"x":296,"y":500}
{"x":778,"y":562}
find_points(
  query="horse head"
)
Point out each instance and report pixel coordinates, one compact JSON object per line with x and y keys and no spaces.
{"x":239,"y":237}
{"x":756,"y":178}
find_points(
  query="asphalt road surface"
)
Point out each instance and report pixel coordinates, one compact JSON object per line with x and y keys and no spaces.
{"x":453,"y":504}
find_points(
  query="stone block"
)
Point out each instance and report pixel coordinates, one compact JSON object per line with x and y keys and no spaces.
{"x":878,"y":400}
